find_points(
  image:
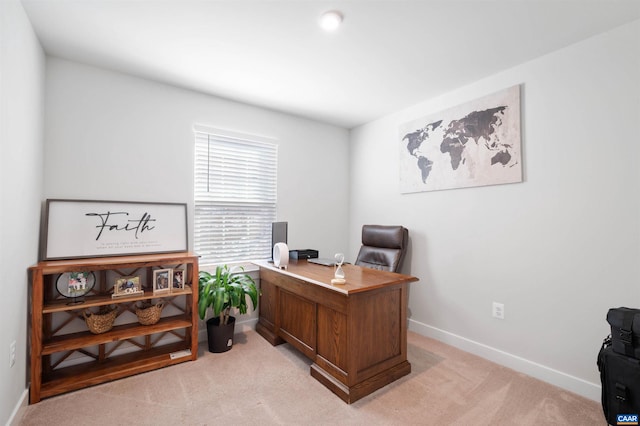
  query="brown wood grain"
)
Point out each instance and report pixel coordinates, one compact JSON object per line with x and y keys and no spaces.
{"x":297,"y":322}
{"x":356,"y":333}
{"x":358,"y":279}
{"x":62,"y":305}
{"x":79,"y":340}
{"x":49,"y":380}
{"x":109,"y":263}
{"x":93,"y":373}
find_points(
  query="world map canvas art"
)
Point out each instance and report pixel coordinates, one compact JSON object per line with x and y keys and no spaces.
{"x":474,"y":144}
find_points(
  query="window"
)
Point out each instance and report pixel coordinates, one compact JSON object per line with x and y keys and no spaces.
{"x":235,"y":197}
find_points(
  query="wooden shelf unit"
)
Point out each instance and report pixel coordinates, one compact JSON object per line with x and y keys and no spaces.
{"x":49,"y":377}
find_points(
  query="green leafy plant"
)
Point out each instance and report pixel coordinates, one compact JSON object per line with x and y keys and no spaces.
{"x":225,"y":289}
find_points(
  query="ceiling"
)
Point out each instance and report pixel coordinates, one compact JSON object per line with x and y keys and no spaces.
{"x":386,"y":56}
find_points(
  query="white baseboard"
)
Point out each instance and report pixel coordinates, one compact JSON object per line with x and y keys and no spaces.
{"x":558,"y":378}
{"x":16,"y":414}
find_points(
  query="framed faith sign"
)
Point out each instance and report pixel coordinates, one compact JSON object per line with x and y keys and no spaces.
{"x":85,"y":228}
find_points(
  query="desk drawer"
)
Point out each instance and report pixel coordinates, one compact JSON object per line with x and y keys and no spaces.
{"x":297,"y":320}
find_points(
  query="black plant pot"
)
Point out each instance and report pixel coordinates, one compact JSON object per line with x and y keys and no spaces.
{"x":220,"y":336}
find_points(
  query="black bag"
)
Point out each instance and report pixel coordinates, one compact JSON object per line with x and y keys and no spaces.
{"x":625,"y":331}
{"x":620,"y":377}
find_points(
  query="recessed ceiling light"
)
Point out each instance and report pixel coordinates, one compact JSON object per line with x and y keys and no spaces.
{"x":330,"y":21}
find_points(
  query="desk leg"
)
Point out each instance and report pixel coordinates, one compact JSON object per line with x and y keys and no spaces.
{"x":362,"y":389}
{"x":269,"y":335}
{"x":268,"y":308}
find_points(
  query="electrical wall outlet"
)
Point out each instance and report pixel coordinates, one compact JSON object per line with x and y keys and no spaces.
{"x":498,"y":310}
{"x":12,"y":354}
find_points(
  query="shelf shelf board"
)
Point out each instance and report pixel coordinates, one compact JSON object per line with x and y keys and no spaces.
{"x":91,"y":373}
{"x":49,"y":267}
{"x":83,"y":339}
{"x":62,"y":305}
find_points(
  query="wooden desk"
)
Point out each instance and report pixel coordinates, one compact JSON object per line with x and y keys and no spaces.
{"x":355,"y":334}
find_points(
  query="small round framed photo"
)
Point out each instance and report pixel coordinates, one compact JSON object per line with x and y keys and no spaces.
{"x":75,"y":284}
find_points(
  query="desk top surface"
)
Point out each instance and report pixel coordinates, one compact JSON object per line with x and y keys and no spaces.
{"x":358,"y":279}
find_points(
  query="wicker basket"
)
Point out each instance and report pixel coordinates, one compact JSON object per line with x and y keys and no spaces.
{"x":101,"y":321}
{"x":149,"y":314}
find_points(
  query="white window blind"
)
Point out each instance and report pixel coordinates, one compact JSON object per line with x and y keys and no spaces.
{"x":235,"y":198}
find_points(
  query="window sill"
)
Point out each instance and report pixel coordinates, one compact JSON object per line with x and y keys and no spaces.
{"x":248,"y":266}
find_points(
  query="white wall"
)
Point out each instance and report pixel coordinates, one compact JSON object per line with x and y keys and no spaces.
{"x":111,"y":136}
{"x":21,"y":123}
{"x":559,"y":249}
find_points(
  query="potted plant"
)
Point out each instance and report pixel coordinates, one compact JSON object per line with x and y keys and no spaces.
{"x":226,"y":289}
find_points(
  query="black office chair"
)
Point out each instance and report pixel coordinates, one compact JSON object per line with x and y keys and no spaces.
{"x":383,"y":247}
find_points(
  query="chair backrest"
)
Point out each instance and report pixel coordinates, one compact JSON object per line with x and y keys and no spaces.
{"x":383,"y":247}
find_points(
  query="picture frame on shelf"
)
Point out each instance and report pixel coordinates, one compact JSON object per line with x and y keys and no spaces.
{"x":162,"y":279}
{"x":127,"y":286}
{"x":75,"y":285}
{"x":178,"y":279}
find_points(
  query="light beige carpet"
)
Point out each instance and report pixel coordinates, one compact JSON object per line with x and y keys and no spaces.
{"x":258,"y":384}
